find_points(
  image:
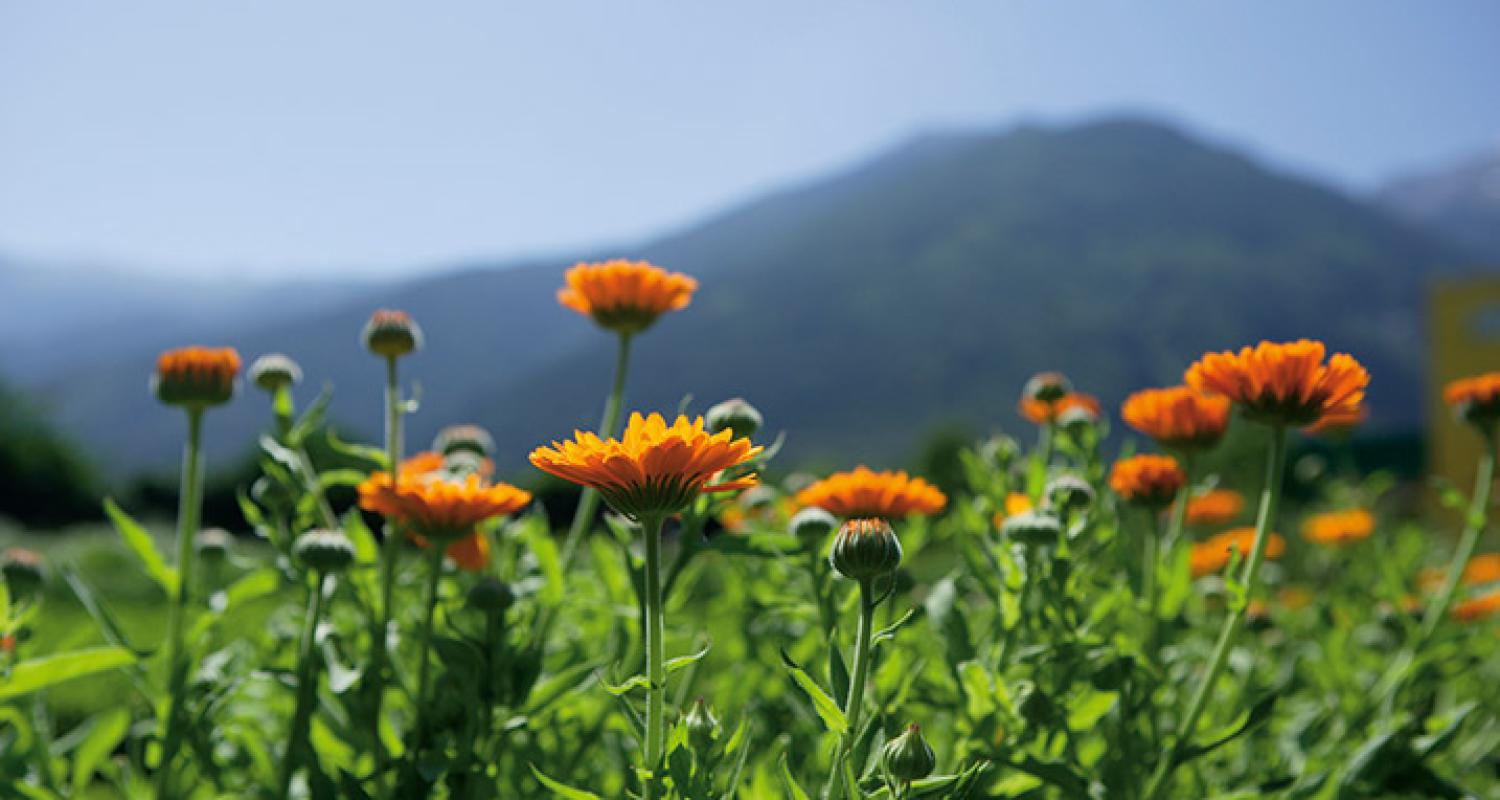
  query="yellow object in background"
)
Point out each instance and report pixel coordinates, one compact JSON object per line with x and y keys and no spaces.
{"x":1464,"y":332}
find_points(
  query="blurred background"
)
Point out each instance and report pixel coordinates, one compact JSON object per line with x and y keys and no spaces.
{"x":897,"y":212}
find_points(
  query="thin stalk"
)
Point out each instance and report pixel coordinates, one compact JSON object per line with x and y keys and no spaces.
{"x":588,"y":502}
{"x":189,"y":511}
{"x":389,"y":551}
{"x":854,"y":704}
{"x":1479,"y":504}
{"x":1166,"y":546}
{"x":434,"y":572}
{"x":1270,"y":499}
{"x":656,"y":671}
{"x":307,"y":677}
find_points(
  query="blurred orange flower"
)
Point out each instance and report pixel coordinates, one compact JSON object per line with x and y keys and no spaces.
{"x":1213,"y":554}
{"x":862,"y":492}
{"x":625,"y":296}
{"x":1283,"y":383}
{"x":1338,"y":423}
{"x":196,"y":376}
{"x":432,"y":507}
{"x":1483,"y":568}
{"x":1015,"y":503}
{"x":1339,"y":527}
{"x":1484,"y":605}
{"x":1476,"y":397}
{"x":1041,"y":412}
{"x":1215,"y":507}
{"x":1179,"y":417}
{"x":1147,"y":480}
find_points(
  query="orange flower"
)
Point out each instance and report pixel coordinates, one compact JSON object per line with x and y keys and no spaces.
{"x":1476,"y":398}
{"x":470,"y":553}
{"x":625,"y":296}
{"x":863,"y":492}
{"x":1015,"y":503}
{"x":1484,"y":568}
{"x":1041,"y":412}
{"x":1284,"y":384}
{"x":431,"y":507}
{"x":1484,"y":605}
{"x":196,"y":377}
{"x":1180,"y":418}
{"x":1215,"y":507}
{"x":1338,"y":423}
{"x":1148,"y":480}
{"x":653,"y":469}
{"x":1339,"y":527}
{"x":1213,"y":555}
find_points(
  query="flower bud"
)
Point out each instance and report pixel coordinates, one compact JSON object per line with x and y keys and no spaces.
{"x":196,"y":377}
{"x":999,"y":451}
{"x":701,"y":728}
{"x":757,"y":497}
{"x":1068,"y":494}
{"x":735,"y":415}
{"x":812,"y":525}
{"x":865,"y":549}
{"x":1047,"y":387}
{"x":908,"y":757}
{"x":491,"y":595}
{"x":1032,"y":529}
{"x":22,"y":570}
{"x":392,"y":334}
{"x":324,"y":550}
{"x":1078,"y":420}
{"x":274,"y":372}
{"x":463,"y":463}
{"x":213,"y":544}
{"x":470,"y":438}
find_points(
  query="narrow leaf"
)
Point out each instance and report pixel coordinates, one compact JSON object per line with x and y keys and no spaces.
{"x":139,"y":540}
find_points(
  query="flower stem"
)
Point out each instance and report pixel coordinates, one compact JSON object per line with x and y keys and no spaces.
{"x":389,"y":550}
{"x":854,"y":703}
{"x":656,"y":674}
{"x":1479,"y":504}
{"x":189,"y":510}
{"x":435,"y":571}
{"x":307,"y":677}
{"x":1270,"y":498}
{"x":1155,"y":550}
{"x":588,"y":501}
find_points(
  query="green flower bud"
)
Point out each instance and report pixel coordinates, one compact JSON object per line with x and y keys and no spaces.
{"x":274,"y":372}
{"x":463,"y":463}
{"x":491,"y":595}
{"x":735,"y":415}
{"x":392,"y":334}
{"x":701,"y":728}
{"x":23,"y":572}
{"x":324,"y":550}
{"x":865,"y":549}
{"x":1069,"y":494}
{"x":470,"y":438}
{"x":757,"y":497}
{"x":908,"y":757}
{"x":213,"y":544}
{"x":1077,"y":421}
{"x":812,"y":525}
{"x":999,"y":451}
{"x":1047,"y":387}
{"x":1032,"y":529}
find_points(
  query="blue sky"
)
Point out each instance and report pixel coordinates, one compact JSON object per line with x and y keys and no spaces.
{"x":371,"y":137}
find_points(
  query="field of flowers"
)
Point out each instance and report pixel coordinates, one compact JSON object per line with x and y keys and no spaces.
{"x":1079,"y":620}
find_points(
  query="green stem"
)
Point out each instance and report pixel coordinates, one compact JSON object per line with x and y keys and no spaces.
{"x":435,"y":571}
{"x":588,"y":501}
{"x":1270,"y":498}
{"x":1479,"y":504}
{"x":390,"y":548}
{"x":854,"y":704}
{"x":1166,"y":546}
{"x":307,"y":677}
{"x":189,"y":510}
{"x":656,"y":674}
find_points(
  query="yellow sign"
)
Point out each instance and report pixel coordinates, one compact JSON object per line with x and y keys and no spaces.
{"x":1464,"y":332}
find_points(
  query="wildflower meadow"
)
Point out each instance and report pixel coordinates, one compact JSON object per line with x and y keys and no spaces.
{"x":1117,"y":604}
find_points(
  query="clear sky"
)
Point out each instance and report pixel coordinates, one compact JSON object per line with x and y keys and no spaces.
{"x":363,"y":136}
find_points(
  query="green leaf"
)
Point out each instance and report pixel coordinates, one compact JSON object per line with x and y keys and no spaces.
{"x":890,"y":631}
{"x":373,"y":456}
{"x":339,"y":477}
{"x":674,"y":664}
{"x":789,"y":783}
{"x":1247,"y":721}
{"x":40,"y":673}
{"x":106,"y":731}
{"x":621,"y":689}
{"x":539,"y":539}
{"x":829,"y":711}
{"x":563,"y":790}
{"x":838,"y":673}
{"x":366,"y":550}
{"x":91,"y":603}
{"x":139,"y":540}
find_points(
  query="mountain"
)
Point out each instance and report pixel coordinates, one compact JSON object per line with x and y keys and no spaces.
{"x":863,"y":309}
{"x":1461,"y":201}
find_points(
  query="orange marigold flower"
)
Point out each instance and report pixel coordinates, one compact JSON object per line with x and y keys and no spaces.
{"x":862,"y":492}
{"x":1180,"y":417}
{"x":1483,"y":568}
{"x":196,"y":377}
{"x":625,"y":296}
{"x":1339,"y":527}
{"x":1338,"y":423}
{"x":654,"y":469}
{"x":1041,"y":412}
{"x":1485,"y":605}
{"x":470,"y":553}
{"x":1283,"y":383}
{"x":432,"y":507}
{"x":1214,"y":554}
{"x":1015,"y":503}
{"x":1476,"y":398}
{"x":1215,"y":507}
{"x":1147,"y":480}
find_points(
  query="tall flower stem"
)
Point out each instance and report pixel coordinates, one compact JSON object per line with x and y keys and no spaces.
{"x":1270,"y":499}
{"x":854,"y":703}
{"x":390,"y":548}
{"x":656,"y":671}
{"x":424,"y":672}
{"x":189,"y":511}
{"x":307,"y":677}
{"x":1479,"y":505}
{"x":1168,"y":543}
{"x":588,"y":501}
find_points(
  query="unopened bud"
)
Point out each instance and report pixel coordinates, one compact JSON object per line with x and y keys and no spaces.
{"x":275,"y":372}
{"x":491,"y":595}
{"x":908,"y":757}
{"x":471,"y":438}
{"x":865,"y":549}
{"x":392,"y":334}
{"x":22,"y":570}
{"x":1047,"y":387}
{"x":812,"y":525}
{"x":1032,"y":529}
{"x":735,"y":415}
{"x":324,"y":550}
{"x":701,"y":727}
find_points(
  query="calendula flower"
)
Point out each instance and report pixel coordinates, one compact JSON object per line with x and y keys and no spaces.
{"x":1213,"y":555}
{"x":863,"y":492}
{"x":1179,"y":418}
{"x":1147,"y":480}
{"x":1015,"y":503}
{"x":625,"y":296}
{"x":196,"y":377}
{"x":1041,"y":412}
{"x":1215,"y":507}
{"x":1483,"y":568}
{"x":470,"y":553}
{"x":653,"y":469}
{"x":1338,"y":423}
{"x":1339,"y":527}
{"x":1475,"y":398}
{"x":1484,"y":605}
{"x":1283,"y":383}
{"x":436,"y":508}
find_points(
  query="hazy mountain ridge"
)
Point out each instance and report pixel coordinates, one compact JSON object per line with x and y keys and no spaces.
{"x":1461,"y":201}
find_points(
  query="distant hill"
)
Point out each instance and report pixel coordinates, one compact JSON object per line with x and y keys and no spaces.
{"x":1461,"y":202}
{"x":860,"y":310}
